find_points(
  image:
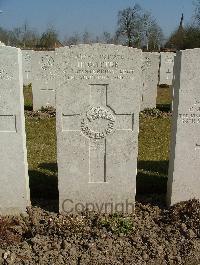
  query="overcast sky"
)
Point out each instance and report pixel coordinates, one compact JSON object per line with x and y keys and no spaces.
{"x":94,"y":16}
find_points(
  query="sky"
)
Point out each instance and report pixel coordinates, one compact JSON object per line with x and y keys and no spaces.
{"x":95,"y":16}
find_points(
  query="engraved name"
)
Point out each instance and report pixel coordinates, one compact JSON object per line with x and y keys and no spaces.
{"x":98,"y":66}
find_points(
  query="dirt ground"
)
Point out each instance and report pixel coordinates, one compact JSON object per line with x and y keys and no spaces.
{"x":153,"y":235}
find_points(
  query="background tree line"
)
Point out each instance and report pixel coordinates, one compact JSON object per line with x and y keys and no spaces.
{"x":135,"y":28}
{"x":188,"y":36}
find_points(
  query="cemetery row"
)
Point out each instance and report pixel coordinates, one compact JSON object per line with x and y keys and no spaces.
{"x":40,"y":70}
{"x":98,"y":100}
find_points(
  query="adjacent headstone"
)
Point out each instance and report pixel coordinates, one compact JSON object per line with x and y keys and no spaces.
{"x":43,"y":79}
{"x":166,"y":68}
{"x":26,"y":66}
{"x":184,"y":166}
{"x":2,"y":44}
{"x":98,"y":103}
{"x":14,"y":184}
{"x":150,"y":69}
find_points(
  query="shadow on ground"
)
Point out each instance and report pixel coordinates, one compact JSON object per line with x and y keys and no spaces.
{"x":53,"y":167}
{"x":164,"y":107}
{"x":28,"y":107}
{"x":152,"y":181}
{"x":44,"y":187}
{"x":151,"y":184}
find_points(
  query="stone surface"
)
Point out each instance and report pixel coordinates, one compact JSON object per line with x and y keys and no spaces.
{"x":14,"y":186}
{"x":184,"y":166}
{"x":150,"y":69}
{"x":166,"y":68}
{"x":26,"y":66}
{"x":43,"y":83}
{"x":2,"y":44}
{"x":98,"y":101}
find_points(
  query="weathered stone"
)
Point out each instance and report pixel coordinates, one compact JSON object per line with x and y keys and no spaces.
{"x":2,"y":44}
{"x":150,"y":69}
{"x":26,"y":66}
{"x":166,"y":68}
{"x":98,"y":102}
{"x":14,"y":184}
{"x":184,"y":166}
{"x":43,"y":79}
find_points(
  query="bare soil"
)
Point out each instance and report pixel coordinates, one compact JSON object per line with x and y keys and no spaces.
{"x":44,"y":113}
{"x":153,"y":235}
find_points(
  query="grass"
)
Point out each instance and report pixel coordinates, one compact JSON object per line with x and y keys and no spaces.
{"x":164,"y":97}
{"x":117,"y":224}
{"x":28,"y":99}
{"x":153,"y":156}
{"x":41,"y":146}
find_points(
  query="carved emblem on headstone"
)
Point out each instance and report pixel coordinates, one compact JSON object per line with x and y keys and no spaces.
{"x":46,"y":62}
{"x":98,"y":123}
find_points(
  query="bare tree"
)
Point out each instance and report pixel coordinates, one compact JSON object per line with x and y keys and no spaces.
{"x":106,"y":37}
{"x":73,"y":39}
{"x":49,"y":38}
{"x":197,"y":12}
{"x":138,"y":28}
{"x":30,"y":37}
{"x":152,"y":35}
{"x":87,"y":37}
{"x":155,"y":38}
{"x":23,"y":37}
{"x":129,"y":25}
{"x":4,"y":35}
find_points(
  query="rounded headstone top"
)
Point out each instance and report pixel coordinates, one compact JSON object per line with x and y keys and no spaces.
{"x":2,"y":44}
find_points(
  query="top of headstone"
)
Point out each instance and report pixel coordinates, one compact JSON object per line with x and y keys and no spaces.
{"x":97,"y":62}
{"x":96,"y":45}
{"x":2,"y":44}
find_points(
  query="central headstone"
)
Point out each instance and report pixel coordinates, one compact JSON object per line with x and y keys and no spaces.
{"x":98,"y":103}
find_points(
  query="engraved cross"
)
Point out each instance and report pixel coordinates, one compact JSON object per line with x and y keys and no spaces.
{"x":98,"y":123}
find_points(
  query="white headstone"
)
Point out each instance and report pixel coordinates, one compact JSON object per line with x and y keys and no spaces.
{"x":98,"y":101}
{"x":184,"y":166}
{"x":2,"y":44}
{"x":26,"y":66}
{"x":14,"y":184}
{"x":166,"y":68}
{"x":43,"y":79}
{"x":150,"y":69}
